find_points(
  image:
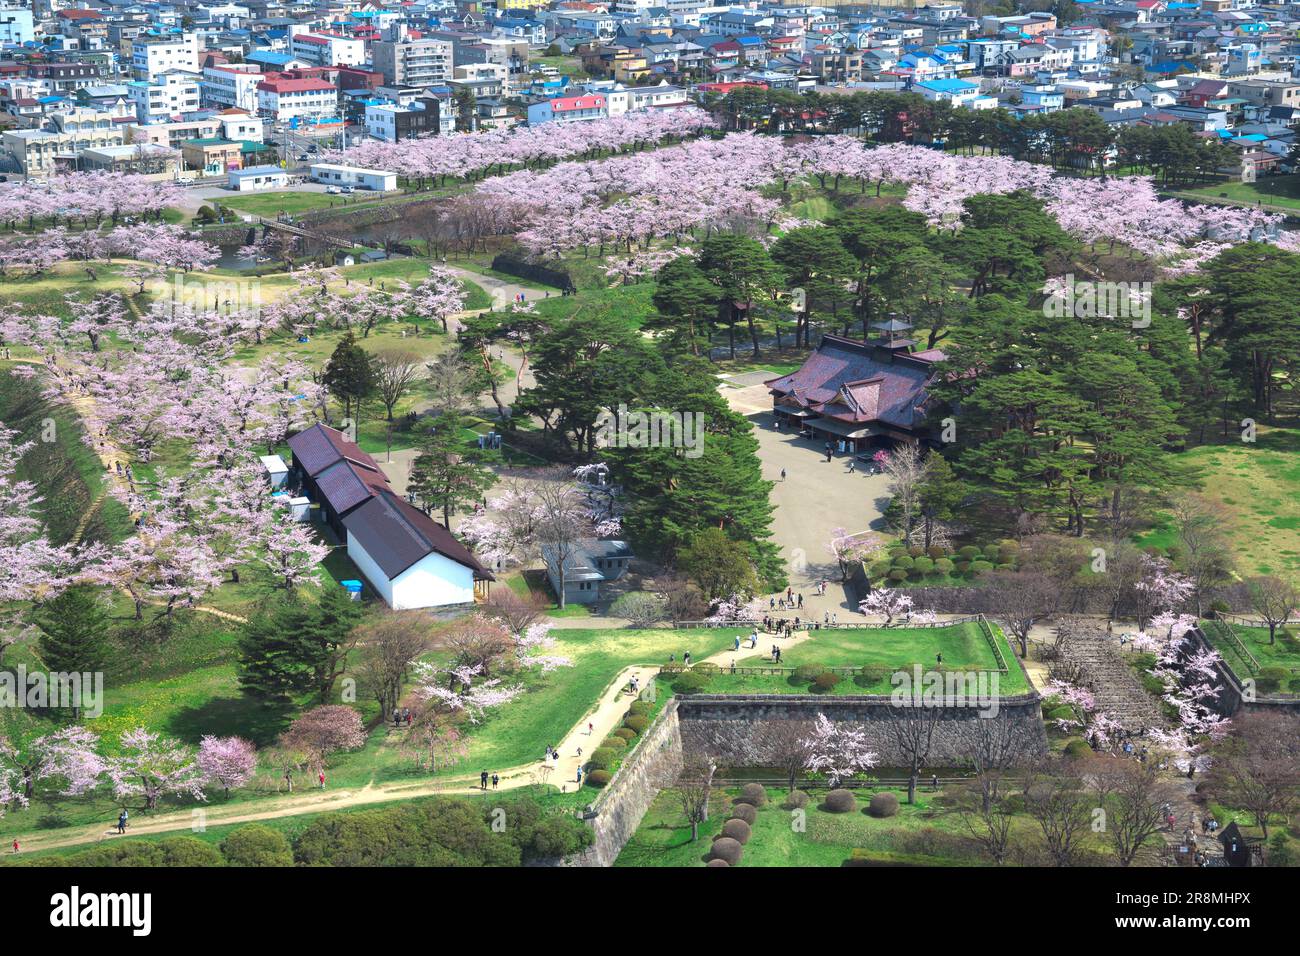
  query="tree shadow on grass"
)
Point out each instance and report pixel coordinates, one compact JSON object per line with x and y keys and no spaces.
{"x":227,"y":716}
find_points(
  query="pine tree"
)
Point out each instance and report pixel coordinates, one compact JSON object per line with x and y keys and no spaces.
{"x":349,"y":374}
{"x":449,"y":472}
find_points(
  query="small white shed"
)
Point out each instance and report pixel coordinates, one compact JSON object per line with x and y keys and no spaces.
{"x":276,"y":470}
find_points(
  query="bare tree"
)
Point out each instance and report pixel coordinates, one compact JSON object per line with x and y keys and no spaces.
{"x":1206,"y":557}
{"x":1062,"y":807}
{"x":476,"y":640}
{"x":693,"y":790}
{"x":912,"y":728}
{"x":1273,"y":599}
{"x":517,"y":612}
{"x":563,"y":521}
{"x":992,"y":747}
{"x":683,"y":600}
{"x":390,"y":645}
{"x":988,"y":821}
{"x":395,"y":371}
{"x":1133,"y":795}
{"x":451,"y":382}
{"x":1257,"y":766}
{"x":905,"y":466}
{"x":1020,"y":599}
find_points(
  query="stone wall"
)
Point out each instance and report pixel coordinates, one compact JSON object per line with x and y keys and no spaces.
{"x":1232,"y":696}
{"x":654,"y":762}
{"x":736,"y":730}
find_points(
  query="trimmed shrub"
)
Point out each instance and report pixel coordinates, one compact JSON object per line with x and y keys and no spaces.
{"x":744,"y":811}
{"x":1008,"y":555}
{"x":873,"y":673}
{"x":705,"y":667}
{"x":962,"y":567}
{"x":255,"y":844}
{"x":627,"y":733}
{"x":736,"y":829}
{"x":688,"y":683}
{"x":639,"y":708}
{"x":898,"y":574}
{"x":597,"y":778}
{"x":915,"y":551}
{"x":968,"y":553}
{"x":1005,"y":567}
{"x":883,"y":805}
{"x":992,"y":552}
{"x":613,"y":743}
{"x":795,"y":801}
{"x":672,"y":668}
{"x":979,"y":567}
{"x":639,"y":724}
{"x":840,"y":801}
{"x":943,"y":565}
{"x":826,"y":680}
{"x":923,"y":565}
{"x":1220,"y":607}
{"x":753,"y":794}
{"x":807,"y":673}
{"x":601,"y":758}
{"x":717,"y":862}
{"x":1077,"y":749}
{"x":727,"y":850}
{"x":936,"y":551}
{"x":904,"y":561}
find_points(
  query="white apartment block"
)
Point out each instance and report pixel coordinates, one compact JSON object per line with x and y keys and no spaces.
{"x":149,"y":58}
{"x":231,"y":86}
{"x":297,"y":99}
{"x":16,"y":25}
{"x":327,"y":49}
{"x":169,"y":95}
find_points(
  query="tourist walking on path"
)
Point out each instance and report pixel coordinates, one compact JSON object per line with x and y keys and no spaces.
{"x":483,"y":780}
{"x":322,"y":779}
{"x":495,"y":780}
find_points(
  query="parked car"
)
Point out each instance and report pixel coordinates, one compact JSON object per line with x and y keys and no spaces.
{"x":345,"y":189}
{"x":333,"y":190}
{"x":185,"y":180}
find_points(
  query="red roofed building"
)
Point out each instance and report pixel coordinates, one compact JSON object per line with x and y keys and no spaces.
{"x":568,"y":109}
{"x":287,"y":99}
{"x":862,"y":393}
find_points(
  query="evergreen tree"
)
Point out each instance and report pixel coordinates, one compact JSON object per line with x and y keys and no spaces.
{"x":449,"y":472}
{"x":350,"y":375}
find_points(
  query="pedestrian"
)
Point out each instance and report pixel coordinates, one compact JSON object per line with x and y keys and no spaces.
{"x":736,"y":646}
{"x":783,"y":474}
{"x":15,"y":845}
{"x":580,"y":775}
{"x":686,"y":658}
{"x":938,"y":659}
{"x":801,"y":601}
{"x":852,"y":462}
{"x":591,"y":728}
{"x":934,"y":782}
{"x":778,"y":655}
{"x":322,"y":779}
{"x":495,"y":780}
{"x":483,"y":780}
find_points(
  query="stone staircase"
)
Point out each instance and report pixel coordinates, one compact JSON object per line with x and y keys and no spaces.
{"x":1117,"y":689}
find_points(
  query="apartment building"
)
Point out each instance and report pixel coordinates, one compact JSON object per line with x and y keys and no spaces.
{"x":167,"y":96}
{"x":285,"y":99}
{"x":152,"y":56}
{"x":231,"y":86}
{"x":327,"y":49}
{"x":413,"y":62}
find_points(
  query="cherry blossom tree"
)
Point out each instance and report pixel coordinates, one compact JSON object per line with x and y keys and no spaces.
{"x":153,"y":766}
{"x":887,"y":602}
{"x":838,"y":749}
{"x":228,"y":762}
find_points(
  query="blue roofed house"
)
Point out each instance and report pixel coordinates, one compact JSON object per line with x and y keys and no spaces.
{"x":592,"y":564}
{"x":957,"y":92}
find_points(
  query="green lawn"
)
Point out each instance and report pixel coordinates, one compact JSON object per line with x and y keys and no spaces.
{"x":929,"y":832}
{"x":291,"y":203}
{"x":1284,"y":651}
{"x":1259,"y":486}
{"x":1271,"y":190}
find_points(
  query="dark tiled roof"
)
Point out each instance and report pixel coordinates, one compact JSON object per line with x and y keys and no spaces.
{"x":860,"y":382}
{"x":346,"y":485}
{"x":396,"y":536}
{"x":320,"y":446}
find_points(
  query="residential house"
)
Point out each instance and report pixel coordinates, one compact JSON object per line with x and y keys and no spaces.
{"x":592,"y":564}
